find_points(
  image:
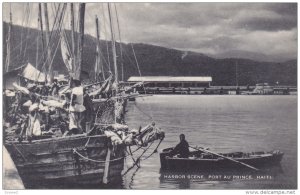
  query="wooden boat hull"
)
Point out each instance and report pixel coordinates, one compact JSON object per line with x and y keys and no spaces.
{"x":72,"y":161}
{"x":214,"y":163}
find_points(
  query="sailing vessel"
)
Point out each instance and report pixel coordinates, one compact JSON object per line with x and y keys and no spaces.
{"x":61,"y":160}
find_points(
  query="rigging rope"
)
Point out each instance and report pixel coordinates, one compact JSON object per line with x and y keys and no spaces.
{"x":28,"y":14}
{"x":22,"y":28}
{"x":138,"y":159}
{"x":98,"y":161}
{"x":25,"y":41}
{"x":139,"y":109}
{"x":57,"y":22}
{"x":131,"y":154}
{"x":137,"y":64}
{"x":103,"y":58}
{"x":154,"y":151}
{"x":53,"y":34}
{"x":55,"y":51}
{"x":107,"y":65}
{"x":121,"y":52}
{"x":132,"y":177}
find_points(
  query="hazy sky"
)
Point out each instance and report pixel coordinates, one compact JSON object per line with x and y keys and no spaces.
{"x":211,"y":28}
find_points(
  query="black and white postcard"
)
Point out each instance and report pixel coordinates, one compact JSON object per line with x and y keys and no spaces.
{"x":150,"y":96}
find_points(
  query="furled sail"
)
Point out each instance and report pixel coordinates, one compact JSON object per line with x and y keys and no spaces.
{"x":104,"y":87}
{"x":66,"y":52}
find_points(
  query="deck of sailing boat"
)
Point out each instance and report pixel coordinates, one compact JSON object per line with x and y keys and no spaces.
{"x":93,"y":157}
{"x":61,"y":136}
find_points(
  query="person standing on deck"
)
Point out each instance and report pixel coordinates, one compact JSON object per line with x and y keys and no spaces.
{"x":33,"y":120}
{"x":89,"y":109}
{"x":182,"y":148}
{"x":76,"y":107}
{"x":54,"y":88}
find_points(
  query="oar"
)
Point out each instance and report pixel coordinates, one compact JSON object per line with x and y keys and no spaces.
{"x":228,"y":158}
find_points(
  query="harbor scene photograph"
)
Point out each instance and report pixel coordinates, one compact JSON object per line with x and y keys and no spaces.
{"x":149,"y":96}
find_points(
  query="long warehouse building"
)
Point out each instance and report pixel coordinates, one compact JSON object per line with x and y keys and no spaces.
{"x":171,"y":81}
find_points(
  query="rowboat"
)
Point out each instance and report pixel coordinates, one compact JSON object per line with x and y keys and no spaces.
{"x":200,"y":160}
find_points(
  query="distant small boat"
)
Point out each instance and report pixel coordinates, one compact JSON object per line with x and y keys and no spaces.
{"x":260,"y":89}
{"x":199,"y":161}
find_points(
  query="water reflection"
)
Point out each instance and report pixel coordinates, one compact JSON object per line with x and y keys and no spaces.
{"x":222,"y":123}
{"x":130,"y":185}
{"x":118,"y":183}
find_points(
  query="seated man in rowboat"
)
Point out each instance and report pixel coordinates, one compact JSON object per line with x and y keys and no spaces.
{"x":182,"y":148}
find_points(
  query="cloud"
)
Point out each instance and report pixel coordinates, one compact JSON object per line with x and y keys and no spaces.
{"x":280,"y":43}
{"x":269,"y":28}
{"x":261,"y":17}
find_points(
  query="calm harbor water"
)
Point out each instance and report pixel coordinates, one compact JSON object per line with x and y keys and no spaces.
{"x":223,"y":124}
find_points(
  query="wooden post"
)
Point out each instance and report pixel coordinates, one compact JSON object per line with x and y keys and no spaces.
{"x":106,"y":168}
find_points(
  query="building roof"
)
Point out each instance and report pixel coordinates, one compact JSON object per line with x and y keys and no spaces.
{"x":170,"y":79}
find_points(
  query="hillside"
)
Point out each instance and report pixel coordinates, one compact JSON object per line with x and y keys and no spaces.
{"x":160,"y":61}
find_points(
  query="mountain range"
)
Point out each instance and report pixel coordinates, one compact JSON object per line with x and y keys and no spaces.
{"x":154,"y":60}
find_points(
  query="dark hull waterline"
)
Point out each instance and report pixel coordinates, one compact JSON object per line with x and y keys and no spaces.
{"x":54,"y":161}
{"x":196,"y":162}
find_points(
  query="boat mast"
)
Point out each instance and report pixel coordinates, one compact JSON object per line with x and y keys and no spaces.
{"x":8,"y":41}
{"x":121,"y":50}
{"x":41,"y":26}
{"x":113,"y":44}
{"x":77,"y":74}
{"x":48,"y":59}
{"x":37,"y":53}
{"x":106,"y":42}
{"x":98,"y":58}
{"x":73,"y":38}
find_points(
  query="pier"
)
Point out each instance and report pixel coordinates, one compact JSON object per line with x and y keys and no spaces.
{"x":11,"y":178}
{"x":195,"y":85}
{"x":217,"y":90}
